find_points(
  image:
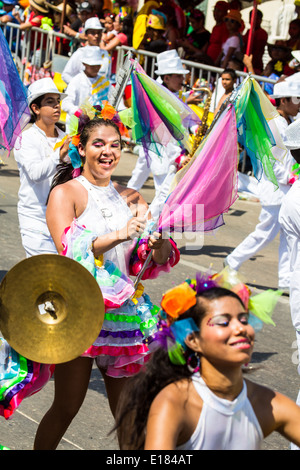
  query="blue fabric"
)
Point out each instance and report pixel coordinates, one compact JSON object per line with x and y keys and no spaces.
{"x":182,"y":328}
{"x":15,"y":97}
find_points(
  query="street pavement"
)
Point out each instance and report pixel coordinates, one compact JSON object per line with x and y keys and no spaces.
{"x":273,"y":363}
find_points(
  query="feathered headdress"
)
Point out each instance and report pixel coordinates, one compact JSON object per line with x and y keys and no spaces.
{"x":178,"y":300}
{"x":78,"y":121}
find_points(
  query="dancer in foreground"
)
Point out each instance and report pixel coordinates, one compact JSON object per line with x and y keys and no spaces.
{"x":95,"y":221}
{"x":195,"y":380}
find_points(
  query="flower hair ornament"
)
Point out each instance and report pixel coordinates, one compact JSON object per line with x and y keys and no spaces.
{"x":78,"y":121}
{"x":173,"y":331}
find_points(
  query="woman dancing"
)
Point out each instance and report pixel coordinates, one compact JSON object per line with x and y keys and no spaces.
{"x":106,"y":218}
{"x":192,"y":395}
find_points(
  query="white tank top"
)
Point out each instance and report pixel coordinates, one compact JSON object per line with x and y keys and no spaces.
{"x":224,"y":424}
{"x":107,"y":211}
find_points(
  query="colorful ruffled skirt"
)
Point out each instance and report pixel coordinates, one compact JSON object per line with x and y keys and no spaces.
{"x":19,"y":378}
{"x":122,"y":346}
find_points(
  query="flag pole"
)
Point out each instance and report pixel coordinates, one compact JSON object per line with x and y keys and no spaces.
{"x":62,"y":20}
{"x":251,"y":31}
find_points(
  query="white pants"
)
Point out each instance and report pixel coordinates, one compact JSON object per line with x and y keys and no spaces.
{"x":295,"y":314}
{"x":37,"y":243}
{"x":265,"y":232}
{"x":161,"y":195}
{"x":141,"y":173}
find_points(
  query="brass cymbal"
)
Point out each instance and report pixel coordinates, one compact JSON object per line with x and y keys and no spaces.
{"x":51,"y":308}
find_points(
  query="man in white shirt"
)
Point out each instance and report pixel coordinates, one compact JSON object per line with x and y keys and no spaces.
{"x":89,"y":84}
{"x":37,"y":162}
{"x":93,"y":31}
{"x":171,"y":73}
{"x":287,"y":96}
{"x":289,"y":218}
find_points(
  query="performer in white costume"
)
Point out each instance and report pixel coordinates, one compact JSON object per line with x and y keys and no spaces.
{"x":89,"y":84}
{"x":286,"y":93}
{"x":171,"y":73}
{"x":37,"y":162}
{"x":289,"y":218}
{"x":93,"y":31}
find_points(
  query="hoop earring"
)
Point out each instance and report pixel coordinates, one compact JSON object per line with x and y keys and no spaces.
{"x":193,"y":358}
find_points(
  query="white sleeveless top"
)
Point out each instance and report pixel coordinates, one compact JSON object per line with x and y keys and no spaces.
{"x":107,"y":211}
{"x":224,"y":424}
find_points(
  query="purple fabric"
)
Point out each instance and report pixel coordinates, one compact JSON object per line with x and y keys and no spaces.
{"x":209,"y":187}
{"x":14,"y":94}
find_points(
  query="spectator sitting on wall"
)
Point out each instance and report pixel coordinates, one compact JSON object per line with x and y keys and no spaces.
{"x":176,"y":22}
{"x":260,"y":39}
{"x":154,"y":40}
{"x":232,"y":47}
{"x":280,"y":55}
{"x":140,"y":24}
{"x":57,"y":16}
{"x":294,"y":32}
{"x":196,"y":42}
{"x":9,"y":7}
{"x":219,"y":32}
{"x":38,"y":11}
{"x":85,"y":11}
{"x":123,"y":35}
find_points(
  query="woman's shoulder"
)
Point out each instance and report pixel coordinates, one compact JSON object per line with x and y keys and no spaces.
{"x":69,"y":189}
{"x":130,"y":195}
{"x":175,"y":393}
{"x":259,"y":395}
{"x":122,"y":38}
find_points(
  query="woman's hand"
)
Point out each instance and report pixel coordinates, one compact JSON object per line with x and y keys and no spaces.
{"x":63,"y":153}
{"x":134,"y":228}
{"x":161,"y":247}
{"x":155,"y":241}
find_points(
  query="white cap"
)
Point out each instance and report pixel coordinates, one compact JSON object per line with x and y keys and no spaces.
{"x":92,"y":23}
{"x":41,"y":87}
{"x":171,"y":66}
{"x":286,"y":89}
{"x":92,"y":55}
{"x":292,"y":136}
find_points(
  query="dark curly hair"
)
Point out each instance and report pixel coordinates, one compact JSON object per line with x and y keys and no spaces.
{"x":141,"y":389}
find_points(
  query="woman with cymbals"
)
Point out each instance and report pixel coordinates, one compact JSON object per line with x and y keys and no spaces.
{"x":97,"y":223}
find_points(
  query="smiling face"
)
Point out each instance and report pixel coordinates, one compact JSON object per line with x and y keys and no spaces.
{"x":225,"y":337}
{"x":101,"y":153}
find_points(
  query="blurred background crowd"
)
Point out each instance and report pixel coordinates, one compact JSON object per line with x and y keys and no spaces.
{"x":174,"y":24}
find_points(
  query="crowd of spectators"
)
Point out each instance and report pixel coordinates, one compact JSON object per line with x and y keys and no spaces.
{"x":160,"y":26}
